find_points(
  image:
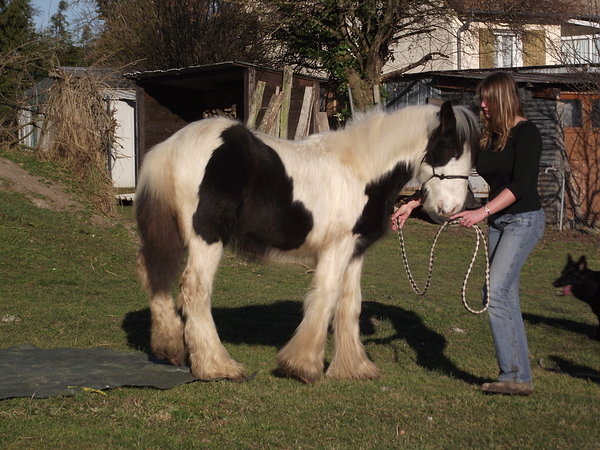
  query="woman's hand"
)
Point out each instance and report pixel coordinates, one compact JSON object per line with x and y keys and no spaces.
{"x":403,"y":213}
{"x":468,"y":218}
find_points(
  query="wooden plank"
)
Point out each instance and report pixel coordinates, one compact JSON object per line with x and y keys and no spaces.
{"x":286,"y":88}
{"x":321,"y":122}
{"x":305,"y":114}
{"x":266,"y":125}
{"x":274,"y":130}
{"x":256,"y":104}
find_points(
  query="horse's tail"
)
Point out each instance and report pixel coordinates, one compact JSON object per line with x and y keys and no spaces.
{"x":157,"y":215}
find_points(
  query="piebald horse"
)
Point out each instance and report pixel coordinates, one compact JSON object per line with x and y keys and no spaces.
{"x":320,"y":201}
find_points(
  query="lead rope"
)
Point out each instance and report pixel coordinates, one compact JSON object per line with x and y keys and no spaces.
{"x":480,"y":237}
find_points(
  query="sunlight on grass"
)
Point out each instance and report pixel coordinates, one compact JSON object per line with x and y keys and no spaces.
{"x":72,"y":284}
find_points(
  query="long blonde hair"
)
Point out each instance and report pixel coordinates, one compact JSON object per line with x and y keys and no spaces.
{"x":503,"y":101}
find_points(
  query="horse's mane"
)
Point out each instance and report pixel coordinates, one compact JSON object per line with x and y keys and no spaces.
{"x":469,"y":130}
{"x":374,"y":138}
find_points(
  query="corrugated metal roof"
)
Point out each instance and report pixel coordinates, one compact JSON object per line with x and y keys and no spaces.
{"x":563,"y":76}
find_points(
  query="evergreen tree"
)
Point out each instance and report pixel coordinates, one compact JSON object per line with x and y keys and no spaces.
{"x":17,"y":43}
{"x":60,"y":36}
{"x":16,"y":24}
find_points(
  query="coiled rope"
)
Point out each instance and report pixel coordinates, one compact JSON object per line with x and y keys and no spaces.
{"x":480,"y":236}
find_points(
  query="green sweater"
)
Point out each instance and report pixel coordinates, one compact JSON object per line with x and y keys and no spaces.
{"x":516,"y":167}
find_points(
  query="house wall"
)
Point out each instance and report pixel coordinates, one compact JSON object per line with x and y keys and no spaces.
{"x":407,"y":51}
{"x":471,"y":46}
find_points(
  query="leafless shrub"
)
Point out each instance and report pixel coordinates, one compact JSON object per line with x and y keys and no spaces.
{"x":79,"y":131}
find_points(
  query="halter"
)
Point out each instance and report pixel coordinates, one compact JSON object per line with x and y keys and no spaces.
{"x":442,"y":176}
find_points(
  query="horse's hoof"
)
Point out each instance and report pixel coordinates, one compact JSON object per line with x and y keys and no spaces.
{"x":306,"y":376}
{"x":365,"y":371}
{"x":175,"y":358}
{"x":234,"y":373}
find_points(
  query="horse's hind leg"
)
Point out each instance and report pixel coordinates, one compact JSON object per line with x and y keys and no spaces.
{"x":167,"y":327}
{"x":208,"y":358}
{"x":350,"y":358}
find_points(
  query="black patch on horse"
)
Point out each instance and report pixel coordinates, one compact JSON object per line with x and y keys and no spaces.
{"x":375,"y":217}
{"x":246,"y":198}
{"x":444,"y":143}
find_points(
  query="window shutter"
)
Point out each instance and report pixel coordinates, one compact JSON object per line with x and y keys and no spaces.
{"x":486,"y":48}
{"x":534,"y":48}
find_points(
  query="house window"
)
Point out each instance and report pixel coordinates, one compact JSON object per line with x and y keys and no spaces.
{"x":506,"y":50}
{"x":573,"y":113}
{"x":503,"y":48}
{"x":578,"y":113}
{"x":580,"y":49}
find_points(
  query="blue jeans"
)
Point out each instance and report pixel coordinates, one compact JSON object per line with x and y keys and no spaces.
{"x":512,"y":238}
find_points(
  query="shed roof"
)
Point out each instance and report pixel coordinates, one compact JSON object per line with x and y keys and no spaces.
{"x":210,"y":74}
{"x":564,"y":77}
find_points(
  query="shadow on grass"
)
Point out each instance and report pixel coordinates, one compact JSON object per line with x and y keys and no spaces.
{"x":428,"y":345}
{"x":572,"y":369}
{"x":564,"y":324}
{"x":274,"y":324}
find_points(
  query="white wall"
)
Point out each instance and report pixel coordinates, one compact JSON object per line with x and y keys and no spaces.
{"x":123,"y":155}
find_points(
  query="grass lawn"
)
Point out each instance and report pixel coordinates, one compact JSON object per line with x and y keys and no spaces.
{"x":71,"y":283}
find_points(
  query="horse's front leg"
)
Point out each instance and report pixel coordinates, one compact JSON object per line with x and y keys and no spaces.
{"x":349,"y":357}
{"x":303,"y":356}
{"x":208,"y":358}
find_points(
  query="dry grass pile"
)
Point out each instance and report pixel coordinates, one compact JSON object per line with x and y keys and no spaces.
{"x":79,"y":133}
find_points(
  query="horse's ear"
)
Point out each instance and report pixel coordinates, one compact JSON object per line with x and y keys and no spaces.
{"x":447,"y":118}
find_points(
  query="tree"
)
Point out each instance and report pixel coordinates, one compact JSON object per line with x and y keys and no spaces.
{"x":60,"y":37}
{"x":177,"y":33}
{"x":16,"y":24}
{"x":352,"y":39}
{"x":18,"y":57}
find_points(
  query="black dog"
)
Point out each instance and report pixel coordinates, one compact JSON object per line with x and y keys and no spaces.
{"x":583,"y":283}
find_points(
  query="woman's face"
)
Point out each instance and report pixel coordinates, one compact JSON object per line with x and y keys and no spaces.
{"x":484,"y":107}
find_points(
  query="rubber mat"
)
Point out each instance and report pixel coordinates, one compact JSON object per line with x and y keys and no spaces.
{"x":27,"y":371}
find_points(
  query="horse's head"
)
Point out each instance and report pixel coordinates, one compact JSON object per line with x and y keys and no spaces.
{"x":449,"y":157}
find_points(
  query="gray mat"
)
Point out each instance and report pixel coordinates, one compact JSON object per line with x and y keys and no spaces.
{"x":26,"y":371}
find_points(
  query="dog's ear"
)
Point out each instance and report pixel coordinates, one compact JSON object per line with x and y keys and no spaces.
{"x":582,"y":264}
{"x":570,"y":260}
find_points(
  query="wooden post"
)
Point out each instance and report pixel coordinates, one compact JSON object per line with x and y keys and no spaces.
{"x":305,"y":114}
{"x":286,"y":88}
{"x":255,"y":104}
{"x":376,"y":94}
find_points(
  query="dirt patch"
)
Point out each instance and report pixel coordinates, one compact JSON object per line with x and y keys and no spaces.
{"x":42,"y":193}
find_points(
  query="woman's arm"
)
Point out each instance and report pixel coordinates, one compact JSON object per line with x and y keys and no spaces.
{"x":403,"y":213}
{"x":471,"y":217}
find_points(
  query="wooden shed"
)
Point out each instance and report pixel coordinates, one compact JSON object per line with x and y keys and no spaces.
{"x":167,"y":100}
{"x":570,"y":193}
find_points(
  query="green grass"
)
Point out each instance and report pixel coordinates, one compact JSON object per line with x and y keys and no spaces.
{"x":72,"y":284}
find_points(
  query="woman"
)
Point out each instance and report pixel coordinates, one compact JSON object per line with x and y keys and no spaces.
{"x":509,"y":161}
